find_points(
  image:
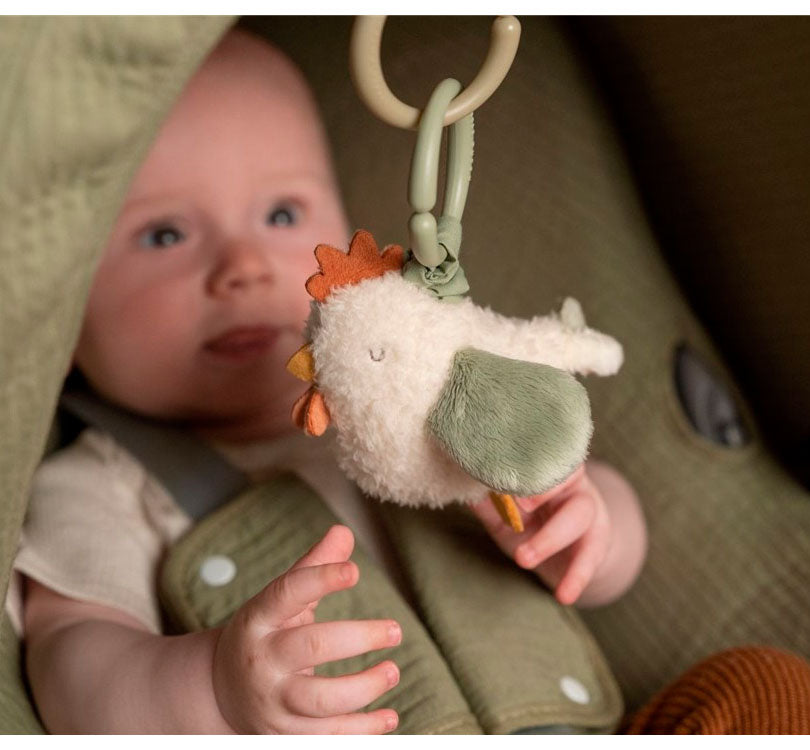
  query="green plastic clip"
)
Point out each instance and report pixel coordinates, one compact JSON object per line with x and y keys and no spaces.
{"x":435,"y":245}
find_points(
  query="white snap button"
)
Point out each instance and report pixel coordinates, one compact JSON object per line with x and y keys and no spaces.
{"x":574,"y":689}
{"x":217,"y":570}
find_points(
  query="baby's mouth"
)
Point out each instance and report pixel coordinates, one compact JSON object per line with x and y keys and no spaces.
{"x":243,"y":342}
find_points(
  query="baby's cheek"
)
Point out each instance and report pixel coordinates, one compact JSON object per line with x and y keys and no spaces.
{"x":139,"y":347}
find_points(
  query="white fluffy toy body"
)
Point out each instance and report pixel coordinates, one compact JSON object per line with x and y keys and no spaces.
{"x":436,"y":402}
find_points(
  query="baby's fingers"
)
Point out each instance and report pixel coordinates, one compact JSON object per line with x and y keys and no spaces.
{"x":567,"y":486}
{"x":335,"y":545}
{"x":571,"y":520}
{"x":319,"y":697}
{"x":589,"y":553}
{"x":291,"y":593}
{"x":503,"y":534}
{"x":374,"y":722}
{"x":307,"y":646}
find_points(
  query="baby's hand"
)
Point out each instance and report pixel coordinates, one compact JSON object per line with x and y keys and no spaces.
{"x":570,"y":519}
{"x":263,"y":664}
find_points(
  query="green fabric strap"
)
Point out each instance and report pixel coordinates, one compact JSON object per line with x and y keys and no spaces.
{"x":494,"y":644}
{"x":17,"y":714}
{"x":508,"y":642}
{"x":264,"y":531}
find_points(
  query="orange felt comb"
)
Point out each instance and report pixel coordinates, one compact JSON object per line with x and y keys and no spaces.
{"x":363,"y":261}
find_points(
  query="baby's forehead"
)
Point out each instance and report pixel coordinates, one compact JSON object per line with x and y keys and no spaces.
{"x":245,"y":92}
{"x":245,"y":113}
{"x":244,"y":63}
{"x":243,"y":84}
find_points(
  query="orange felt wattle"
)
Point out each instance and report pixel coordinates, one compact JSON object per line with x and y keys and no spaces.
{"x":309,"y":413}
{"x":363,"y":261}
{"x":299,"y":409}
{"x":317,"y":415}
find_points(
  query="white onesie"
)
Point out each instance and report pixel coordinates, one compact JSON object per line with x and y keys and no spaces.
{"x":98,"y":523}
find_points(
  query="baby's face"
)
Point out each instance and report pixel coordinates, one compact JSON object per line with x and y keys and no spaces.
{"x":199,"y":298}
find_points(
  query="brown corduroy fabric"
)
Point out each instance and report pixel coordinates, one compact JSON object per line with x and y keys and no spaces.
{"x":746,"y":690}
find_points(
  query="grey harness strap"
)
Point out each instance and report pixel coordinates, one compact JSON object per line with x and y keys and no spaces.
{"x":192,"y":472}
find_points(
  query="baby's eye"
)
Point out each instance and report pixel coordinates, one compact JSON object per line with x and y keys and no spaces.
{"x":284,"y":215}
{"x":163,"y":236}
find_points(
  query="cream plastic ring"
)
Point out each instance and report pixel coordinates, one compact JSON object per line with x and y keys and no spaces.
{"x":366,"y":71}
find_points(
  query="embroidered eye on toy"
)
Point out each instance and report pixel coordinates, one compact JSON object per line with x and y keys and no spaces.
{"x":434,"y":398}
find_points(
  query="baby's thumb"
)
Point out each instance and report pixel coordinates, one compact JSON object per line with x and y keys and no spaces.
{"x":325,"y":568}
{"x":336,"y":545}
{"x":297,"y":591}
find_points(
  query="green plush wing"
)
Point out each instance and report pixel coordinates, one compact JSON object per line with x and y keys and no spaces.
{"x":516,"y":426}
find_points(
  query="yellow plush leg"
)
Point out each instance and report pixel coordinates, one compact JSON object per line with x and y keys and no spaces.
{"x":508,"y":510}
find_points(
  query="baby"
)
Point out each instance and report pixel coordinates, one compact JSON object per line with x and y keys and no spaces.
{"x":197,"y":304}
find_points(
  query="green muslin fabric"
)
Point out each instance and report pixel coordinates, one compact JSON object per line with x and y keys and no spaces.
{"x":80,"y":101}
{"x":17,"y":714}
{"x":512,"y":648}
{"x":714,"y":112}
{"x":484,"y":649}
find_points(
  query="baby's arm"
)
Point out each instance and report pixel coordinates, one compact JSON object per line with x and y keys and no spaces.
{"x":585,"y":538}
{"x":96,"y":669}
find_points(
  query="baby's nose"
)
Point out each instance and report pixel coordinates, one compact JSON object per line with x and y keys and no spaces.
{"x":240,"y":265}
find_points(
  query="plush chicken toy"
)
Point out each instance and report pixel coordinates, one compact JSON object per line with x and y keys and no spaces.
{"x":436,"y":402}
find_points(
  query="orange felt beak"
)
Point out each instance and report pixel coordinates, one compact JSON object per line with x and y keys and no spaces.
{"x":309,"y":412}
{"x":302,"y":365}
